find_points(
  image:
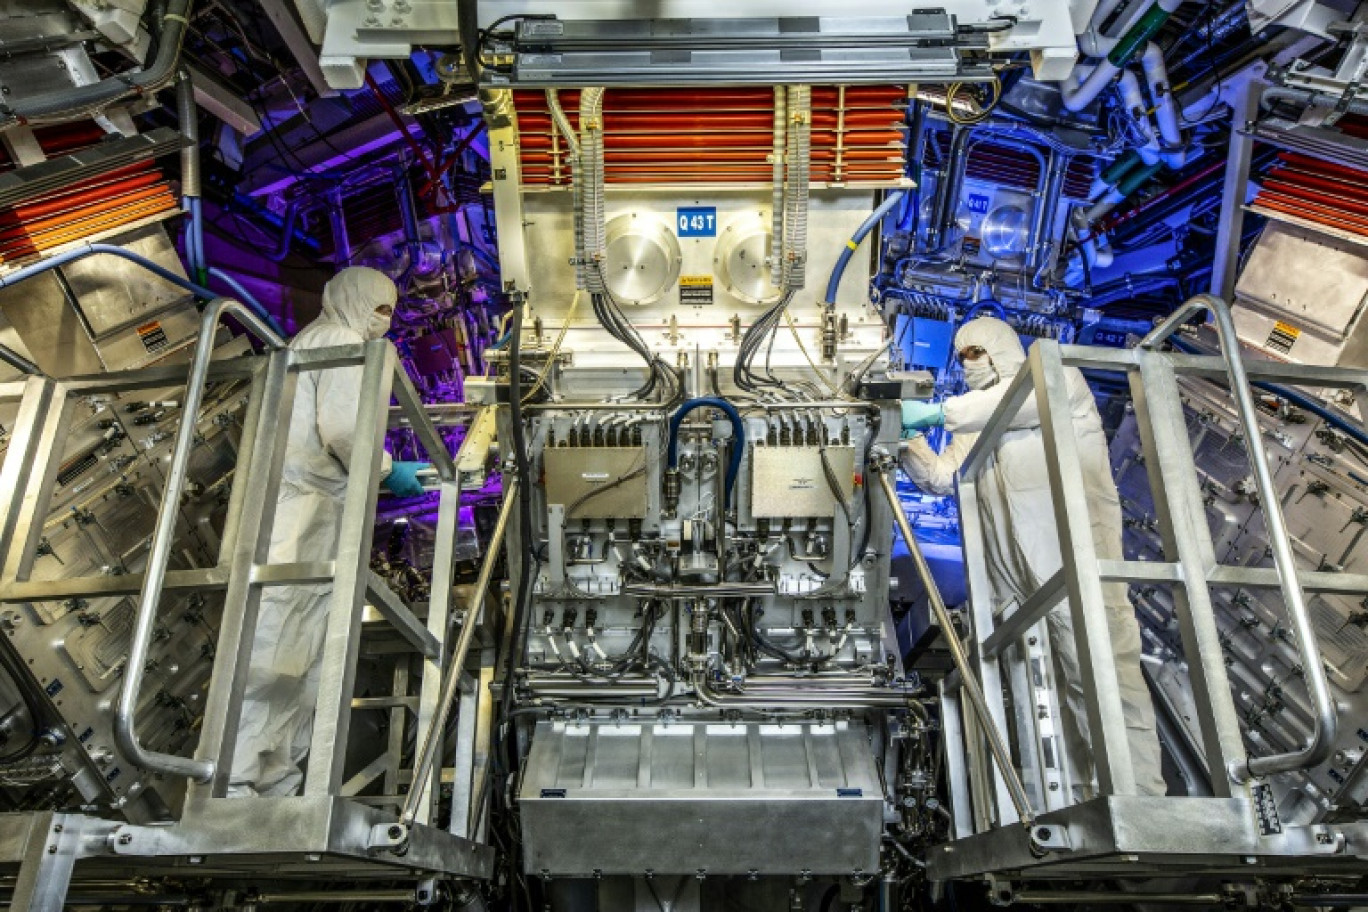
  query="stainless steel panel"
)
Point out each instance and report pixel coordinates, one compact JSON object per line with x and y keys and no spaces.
{"x":1308,"y":278}
{"x":149,"y":338}
{"x":115,"y":293}
{"x":33,"y":75}
{"x":594,"y":482}
{"x":298,"y":835}
{"x":725,"y":798}
{"x":51,"y":329}
{"x":96,"y":524}
{"x":792,"y":481}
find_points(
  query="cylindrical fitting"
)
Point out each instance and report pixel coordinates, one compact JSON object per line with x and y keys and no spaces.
{"x":1350,"y":756}
{"x":829,"y":335}
{"x":672,"y":487}
{"x":698,"y":635}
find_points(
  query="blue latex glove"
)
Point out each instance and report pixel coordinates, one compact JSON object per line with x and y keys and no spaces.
{"x":403,"y":479}
{"x":918,"y":416}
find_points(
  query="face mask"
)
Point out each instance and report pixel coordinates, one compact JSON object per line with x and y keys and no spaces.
{"x":377,"y":325}
{"x":980,"y":374}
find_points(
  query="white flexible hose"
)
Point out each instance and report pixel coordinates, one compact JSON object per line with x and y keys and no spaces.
{"x":777,"y":192}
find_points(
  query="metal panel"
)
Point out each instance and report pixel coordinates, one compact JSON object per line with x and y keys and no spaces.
{"x":732,"y":798}
{"x":52,"y":331}
{"x":792,"y":481}
{"x":1168,"y":458}
{"x":115,"y":293}
{"x":575,"y":476}
{"x":1313,"y":280}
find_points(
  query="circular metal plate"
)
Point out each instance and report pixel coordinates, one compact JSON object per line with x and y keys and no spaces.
{"x":741,"y":261}
{"x":1004,"y":232}
{"x":641,"y":259}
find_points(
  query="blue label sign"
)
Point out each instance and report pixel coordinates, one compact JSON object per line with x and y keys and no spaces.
{"x":696,"y":221}
{"x":978,"y":203}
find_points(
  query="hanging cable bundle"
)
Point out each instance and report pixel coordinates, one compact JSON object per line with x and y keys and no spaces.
{"x":661,"y":376}
{"x":591,"y":235}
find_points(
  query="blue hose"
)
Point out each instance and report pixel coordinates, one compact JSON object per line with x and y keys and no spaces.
{"x":860,"y":234}
{"x":197,"y":229}
{"x":986,"y":304}
{"x":190,"y":256}
{"x":62,"y":259}
{"x":738,"y":434}
{"x":1299,"y":399}
{"x":246,"y":298}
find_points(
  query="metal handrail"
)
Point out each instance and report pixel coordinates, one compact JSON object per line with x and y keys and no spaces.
{"x":259,"y":313}
{"x":422,"y":771}
{"x":1317,"y":684}
{"x":159,"y":553}
{"x":968,"y":681}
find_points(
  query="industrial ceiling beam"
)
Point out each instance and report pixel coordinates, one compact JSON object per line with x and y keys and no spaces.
{"x":223,"y":101}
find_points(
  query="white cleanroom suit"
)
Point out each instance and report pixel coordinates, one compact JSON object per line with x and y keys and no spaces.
{"x":1017,"y":514}
{"x":282,"y":681}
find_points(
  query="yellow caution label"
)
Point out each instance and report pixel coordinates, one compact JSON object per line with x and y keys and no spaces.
{"x":852,"y":244}
{"x":1283,"y":337}
{"x":696,"y":290}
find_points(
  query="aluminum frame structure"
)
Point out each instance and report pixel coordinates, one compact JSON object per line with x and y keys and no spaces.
{"x":320,"y":830}
{"x":1119,"y":832}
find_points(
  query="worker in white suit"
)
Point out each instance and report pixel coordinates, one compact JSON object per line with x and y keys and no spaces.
{"x":1018,"y":520}
{"x":282,"y":681}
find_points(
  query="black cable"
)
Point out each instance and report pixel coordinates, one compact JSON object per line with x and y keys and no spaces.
{"x":979,"y":28}
{"x":756,"y":336}
{"x":610,"y":316}
{"x":523,"y":600}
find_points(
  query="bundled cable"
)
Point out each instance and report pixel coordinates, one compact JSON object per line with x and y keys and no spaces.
{"x":660,"y":376}
{"x":591,"y":236}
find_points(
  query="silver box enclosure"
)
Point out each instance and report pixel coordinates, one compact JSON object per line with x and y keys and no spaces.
{"x":725,"y":798}
{"x":576,"y":475}
{"x":792,"y":482}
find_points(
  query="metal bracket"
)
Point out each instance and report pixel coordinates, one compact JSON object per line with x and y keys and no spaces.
{"x":388,"y":837}
{"x":1046,"y":838}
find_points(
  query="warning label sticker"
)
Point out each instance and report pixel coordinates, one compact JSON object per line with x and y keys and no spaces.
{"x":696,"y":291}
{"x":1266,"y":810}
{"x":153,"y":336}
{"x":1283,"y":337}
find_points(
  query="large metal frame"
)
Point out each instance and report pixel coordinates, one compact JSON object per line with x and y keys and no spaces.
{"x":352,"y":32}
{"x":1120,"y":831}
{"x":319,"y":828}
{"x":922,"y":46}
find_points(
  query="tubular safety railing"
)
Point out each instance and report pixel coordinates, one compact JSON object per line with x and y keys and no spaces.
{"x":432,"y":740}
{"x":238,"y":571}
{"x":1317,"y":684}
{"x":159,"y":555}
{"x":997,"y":745}
{"x":1039,"y":397}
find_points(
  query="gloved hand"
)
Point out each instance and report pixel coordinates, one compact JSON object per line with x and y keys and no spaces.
{"x":403,"y":479}
{"x":918,"y":416}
